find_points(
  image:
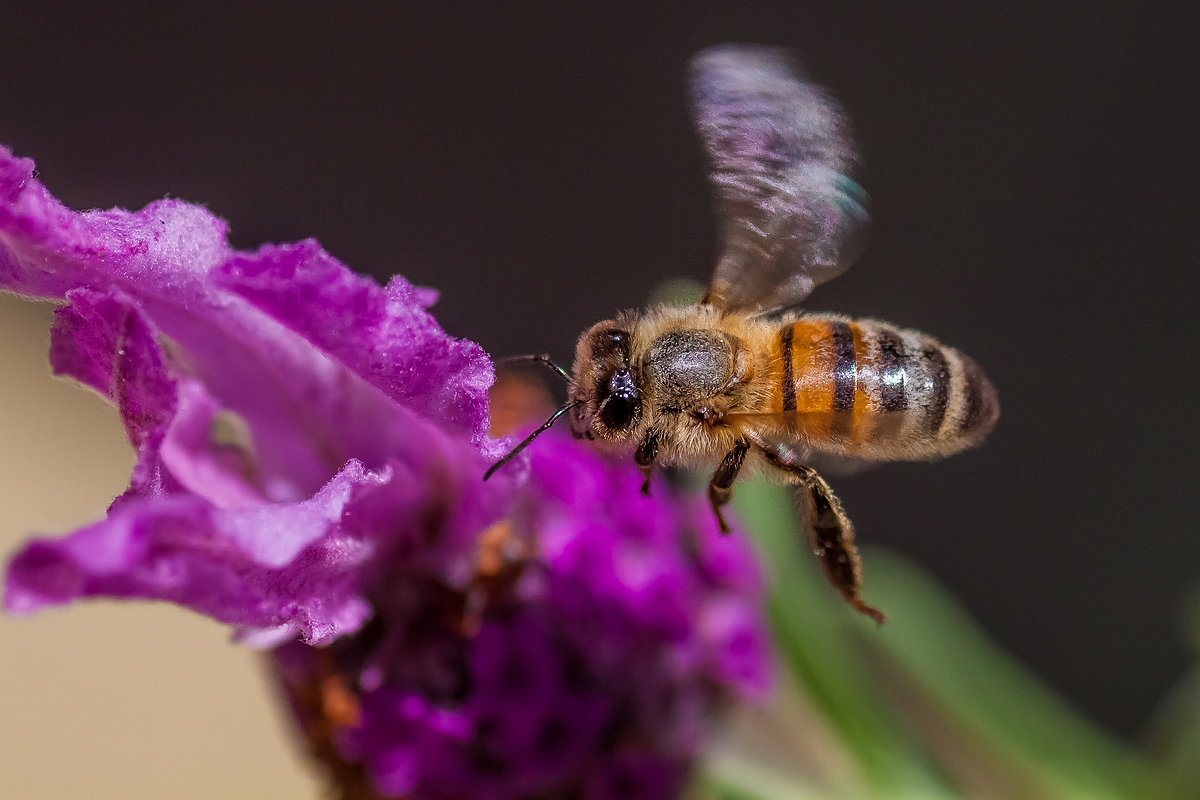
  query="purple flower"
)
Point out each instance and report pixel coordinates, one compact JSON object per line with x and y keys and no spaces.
{"x":295,"y":423}
{"x":310,"y":456}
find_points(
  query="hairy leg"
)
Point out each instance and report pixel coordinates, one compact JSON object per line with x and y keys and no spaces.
{"x":644,"y":458}
{"x":720,"y":486}
{"x":830,"y":532}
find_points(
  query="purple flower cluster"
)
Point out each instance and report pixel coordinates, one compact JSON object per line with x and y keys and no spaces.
{"x":608,"y":627}
{"x":310,"y":456}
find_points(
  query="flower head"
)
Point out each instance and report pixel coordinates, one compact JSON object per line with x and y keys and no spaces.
{"x":600,"y":634}
{"x":311,"y":449}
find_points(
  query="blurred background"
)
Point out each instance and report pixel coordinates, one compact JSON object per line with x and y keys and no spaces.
{"x":1033,"y":176}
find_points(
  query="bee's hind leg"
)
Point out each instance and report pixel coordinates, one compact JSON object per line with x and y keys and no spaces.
{"x":830,"y":532}
{"x":720,"y":486}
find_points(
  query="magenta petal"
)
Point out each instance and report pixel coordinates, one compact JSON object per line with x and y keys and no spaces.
{"x":274,"y":535}
{"x":166,"y":248}
{"x":396,"y":771}
{"x":103,"y":341}
{"x":14,"y":174}
{"x":726,"y":561}
{"x":737,"y":638}
{"x":213,"y":461}
{"x":271,"y":565}
{"x":384,"y":335}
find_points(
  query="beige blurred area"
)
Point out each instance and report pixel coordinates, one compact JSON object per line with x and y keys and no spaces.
{"x":103,"y":699}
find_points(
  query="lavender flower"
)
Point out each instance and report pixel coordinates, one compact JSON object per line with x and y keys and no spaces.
{"x":310,"y":453}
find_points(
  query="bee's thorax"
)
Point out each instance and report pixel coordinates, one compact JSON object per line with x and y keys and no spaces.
{"x":683,"y":368}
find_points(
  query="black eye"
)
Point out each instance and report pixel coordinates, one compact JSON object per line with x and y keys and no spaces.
{"x":622,"y":404}
{"x":618,"y":411}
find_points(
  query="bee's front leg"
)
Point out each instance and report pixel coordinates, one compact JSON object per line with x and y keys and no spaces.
{"x":720,"y":486}
{"x":647,"y":451}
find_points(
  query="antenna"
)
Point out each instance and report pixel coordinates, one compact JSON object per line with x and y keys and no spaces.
{"x":542,"y":358}
{"x":529,"y":439}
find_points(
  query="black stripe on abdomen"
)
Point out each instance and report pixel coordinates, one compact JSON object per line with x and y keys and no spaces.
{"x":939,"y":398}
{"x":893,"y":372}
{"x":789,"y":376}
{"x":845,"y":371}
{"x":973,"y":387}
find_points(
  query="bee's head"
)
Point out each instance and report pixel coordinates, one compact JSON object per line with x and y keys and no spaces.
{"x":604,"y":386}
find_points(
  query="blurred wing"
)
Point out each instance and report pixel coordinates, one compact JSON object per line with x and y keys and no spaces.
{"x":781,"y":153}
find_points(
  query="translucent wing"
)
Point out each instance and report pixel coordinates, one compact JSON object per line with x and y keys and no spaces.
{"x":781,"y":151}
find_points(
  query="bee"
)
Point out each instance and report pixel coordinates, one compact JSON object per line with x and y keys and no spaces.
{"x":744,"y":378}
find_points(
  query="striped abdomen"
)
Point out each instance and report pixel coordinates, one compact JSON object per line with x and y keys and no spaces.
{"x":868,"y":389}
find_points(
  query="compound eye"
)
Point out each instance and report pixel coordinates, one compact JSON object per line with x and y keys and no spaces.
{"x":618,"y":412}
{"x":622,"y":404}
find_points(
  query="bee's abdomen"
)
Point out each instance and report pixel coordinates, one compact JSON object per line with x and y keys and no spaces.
{"x":870,"y":389}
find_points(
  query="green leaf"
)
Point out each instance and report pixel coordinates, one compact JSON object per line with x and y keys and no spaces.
{"x":815,"y":637}
{"x":1175,"y":738}
{"x":1175,"y":728}
{"x":987,"y":718}
{"x":729,"y":778}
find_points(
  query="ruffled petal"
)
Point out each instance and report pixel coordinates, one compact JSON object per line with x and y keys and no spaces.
{"x":102,"y":340}
{"x":309,"y":411}
{"x":385,"y":335}
{"x":166,"y":248}
{"x":281,"y":564}
{"x":209,"y":451}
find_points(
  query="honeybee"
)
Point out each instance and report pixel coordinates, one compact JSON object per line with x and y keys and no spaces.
{"x":744,"y":378}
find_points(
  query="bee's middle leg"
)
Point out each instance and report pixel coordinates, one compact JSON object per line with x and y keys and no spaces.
{"x":720,"y":486}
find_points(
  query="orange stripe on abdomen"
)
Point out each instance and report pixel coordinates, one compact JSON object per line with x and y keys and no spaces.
{"x":812,"y":382}
{"x":863,"y":415}
{"x":849,"y":383}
